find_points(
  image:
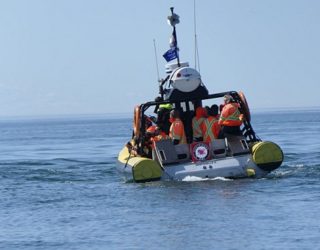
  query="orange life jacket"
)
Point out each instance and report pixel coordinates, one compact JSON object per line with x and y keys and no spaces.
{"x":200,"y":115}
{"x":196,"y":123}
{"x":151,"y":129}
{"x":210,"y":129}
{"x":161,"y":136}
{"x":230,"y":115}
{"x":177,"y":131}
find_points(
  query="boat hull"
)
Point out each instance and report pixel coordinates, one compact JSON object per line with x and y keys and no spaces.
{"x":229,"y":167}
{"x":142,"y":169}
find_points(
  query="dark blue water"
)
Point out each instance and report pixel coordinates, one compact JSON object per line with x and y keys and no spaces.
{"x":60,"y":190}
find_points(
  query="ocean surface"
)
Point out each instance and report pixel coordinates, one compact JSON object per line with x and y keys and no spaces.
{"x":59,"y":189}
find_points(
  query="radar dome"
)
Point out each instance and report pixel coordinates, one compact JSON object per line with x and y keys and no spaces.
{"x":185,"y":79}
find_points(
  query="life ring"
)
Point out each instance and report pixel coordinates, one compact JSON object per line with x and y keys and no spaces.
{"x":200,"y":151}
{"x":136,"y":121}
{"x":244,"y":106}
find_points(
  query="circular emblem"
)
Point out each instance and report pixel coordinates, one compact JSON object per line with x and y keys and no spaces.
{"x":201,"y":151}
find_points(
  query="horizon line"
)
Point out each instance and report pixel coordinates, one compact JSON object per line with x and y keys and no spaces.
{"x":129,"y":114}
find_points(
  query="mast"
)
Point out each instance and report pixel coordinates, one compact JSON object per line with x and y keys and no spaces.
{"x":174,"y":19}
{"x":173,"y":52}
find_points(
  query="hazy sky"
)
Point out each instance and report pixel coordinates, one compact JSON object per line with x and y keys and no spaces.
{"x":88,"y":57}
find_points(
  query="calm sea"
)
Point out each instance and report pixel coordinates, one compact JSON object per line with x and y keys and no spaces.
{"x":60,"y":190}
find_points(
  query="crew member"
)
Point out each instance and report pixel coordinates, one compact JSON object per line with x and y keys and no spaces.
{"x":196,"y":123}
{"x":148,"y":141}
{"x":159,"y":136}
{"x":210,"y":126}
{"x":215,"y":109}
{"x":163,"y":116}
{"x":230,"y":117}
{"x":177,"y":133}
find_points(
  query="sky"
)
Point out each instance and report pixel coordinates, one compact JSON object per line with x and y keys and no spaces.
{"x":69,"y":57}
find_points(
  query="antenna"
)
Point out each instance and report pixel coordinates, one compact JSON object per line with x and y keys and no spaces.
{"x":156,"y":58}
{"x":196,"y":51}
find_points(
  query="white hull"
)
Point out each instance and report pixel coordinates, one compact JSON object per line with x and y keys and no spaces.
{"x":143,"y":169}
{"x":230,"y":167}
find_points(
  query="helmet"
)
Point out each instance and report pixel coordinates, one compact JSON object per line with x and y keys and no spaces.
{"x":228,"y":98}
{"x":151,"y":130}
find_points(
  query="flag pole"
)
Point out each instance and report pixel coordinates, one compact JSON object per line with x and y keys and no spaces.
{"x":175,"y":39}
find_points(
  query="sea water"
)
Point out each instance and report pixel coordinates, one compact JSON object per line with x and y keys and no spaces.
{"x":60,"y":190}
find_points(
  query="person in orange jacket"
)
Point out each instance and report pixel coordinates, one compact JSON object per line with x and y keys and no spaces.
{"x":177,"y":133}
{"x":210,"y":126}
{"x":197,"y":120}
{"x":160,"y":135}
{"x":230,"y":117}
{"x":148,"y":143}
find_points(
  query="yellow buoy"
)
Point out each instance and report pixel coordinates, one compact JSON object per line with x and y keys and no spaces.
{"x":267,"y":155}
{"x":145,"y":169}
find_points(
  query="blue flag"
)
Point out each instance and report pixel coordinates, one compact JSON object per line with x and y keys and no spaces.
{"x":171,"y":54}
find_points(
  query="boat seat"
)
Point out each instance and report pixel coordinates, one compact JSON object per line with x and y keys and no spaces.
{"x":237,"y":145}
{"x":219,"y":148}
{"x":166,"y":152}
{"x":183,"y":152}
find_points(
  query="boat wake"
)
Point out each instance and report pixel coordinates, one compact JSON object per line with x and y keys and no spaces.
{"x":195,"y":178}
{"x":62,"y":170}
{"x":296,"y":170}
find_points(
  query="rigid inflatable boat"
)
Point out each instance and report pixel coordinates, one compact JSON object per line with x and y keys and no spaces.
{"x":235,"y":156}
